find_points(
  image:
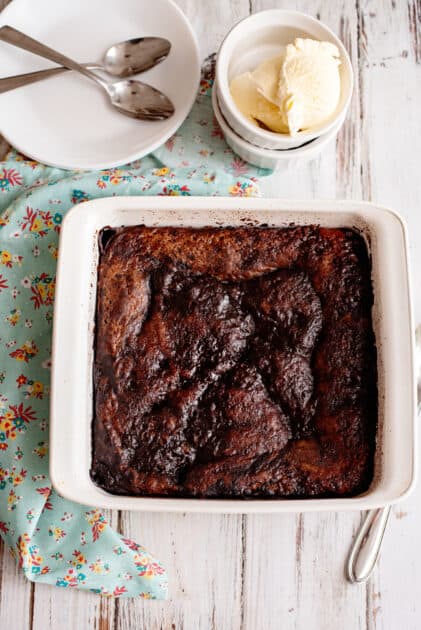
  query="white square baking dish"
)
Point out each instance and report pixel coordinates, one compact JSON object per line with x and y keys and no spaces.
{"x":74,"y":321}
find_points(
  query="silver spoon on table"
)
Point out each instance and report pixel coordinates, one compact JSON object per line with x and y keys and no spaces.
{"x":133,"y":98}
{"x":121,"y":60}
{"x":366,"y":547}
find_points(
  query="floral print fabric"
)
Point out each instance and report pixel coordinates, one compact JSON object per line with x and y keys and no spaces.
{"x":53,"y":540}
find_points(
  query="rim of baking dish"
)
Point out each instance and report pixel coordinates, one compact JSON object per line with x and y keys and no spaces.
{"x":72,"y":409}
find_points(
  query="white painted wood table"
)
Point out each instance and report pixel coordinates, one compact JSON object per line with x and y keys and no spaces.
{"x":287,"y":571}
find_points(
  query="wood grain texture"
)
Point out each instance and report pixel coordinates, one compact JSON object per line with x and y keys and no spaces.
{"x":16,"y":594}
{"x":203,"y":556}
{"x":390,"y":79}
{"x":286,"y":571}
{"x":212,"y":19}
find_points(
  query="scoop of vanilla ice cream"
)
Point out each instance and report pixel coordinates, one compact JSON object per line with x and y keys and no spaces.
{"x":254,"y":106}
{"x":309,"y":84}
{"x":266,"y":78}
{"x":294,"y":91}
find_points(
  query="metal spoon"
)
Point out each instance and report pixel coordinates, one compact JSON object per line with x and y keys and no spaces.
{"x":121,"y":60}
{"x":132,"y":98}
{"x":366,"y":547}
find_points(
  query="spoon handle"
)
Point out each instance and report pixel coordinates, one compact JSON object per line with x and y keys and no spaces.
{"x":19,"y":80}
{"x":366,"y":547}
{"x":20,"y":40}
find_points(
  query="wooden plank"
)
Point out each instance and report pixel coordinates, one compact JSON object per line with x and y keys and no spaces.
{"x":272,"y":551}
{"x":71,"y":610}
{"x":391,"y":72}
{"x":393,"y":593}
{"x":203,"y":557}
{"x":212,"y":20}
{"x":294,"y":567}
{"x":391,"y":93}
{"x":325,"y":599}
{"x":16,"y":594}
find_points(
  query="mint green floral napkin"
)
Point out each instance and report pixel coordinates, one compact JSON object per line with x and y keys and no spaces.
{"x":53,"y":540}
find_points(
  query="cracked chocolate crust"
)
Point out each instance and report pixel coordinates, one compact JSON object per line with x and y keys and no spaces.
{"x":234,"y":363}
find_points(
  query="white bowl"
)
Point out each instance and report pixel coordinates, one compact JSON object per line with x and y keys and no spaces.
{"x":276,"y":160}
{"x":257,"y":38}
{"x":67,"y":121}
{"x":74,"y":330}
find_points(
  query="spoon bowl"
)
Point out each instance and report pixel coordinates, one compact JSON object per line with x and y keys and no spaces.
{"x":140,"y":100}
{"x":135,"y":55}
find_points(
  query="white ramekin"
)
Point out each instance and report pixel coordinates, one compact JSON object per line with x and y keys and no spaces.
{"x":259,"y":37}
{"x":273,"y":159}
{"x":74,"y":330}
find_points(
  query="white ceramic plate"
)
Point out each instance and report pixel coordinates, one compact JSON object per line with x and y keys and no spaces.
{"x":66,"y":120}
{"x":74,"y":326}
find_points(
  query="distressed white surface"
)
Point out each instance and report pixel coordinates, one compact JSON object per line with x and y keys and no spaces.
{"x":287,"y":571}
{"x":16,"y":595}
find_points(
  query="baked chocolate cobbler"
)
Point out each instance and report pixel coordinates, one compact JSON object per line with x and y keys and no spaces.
{"x":234,"y":362}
